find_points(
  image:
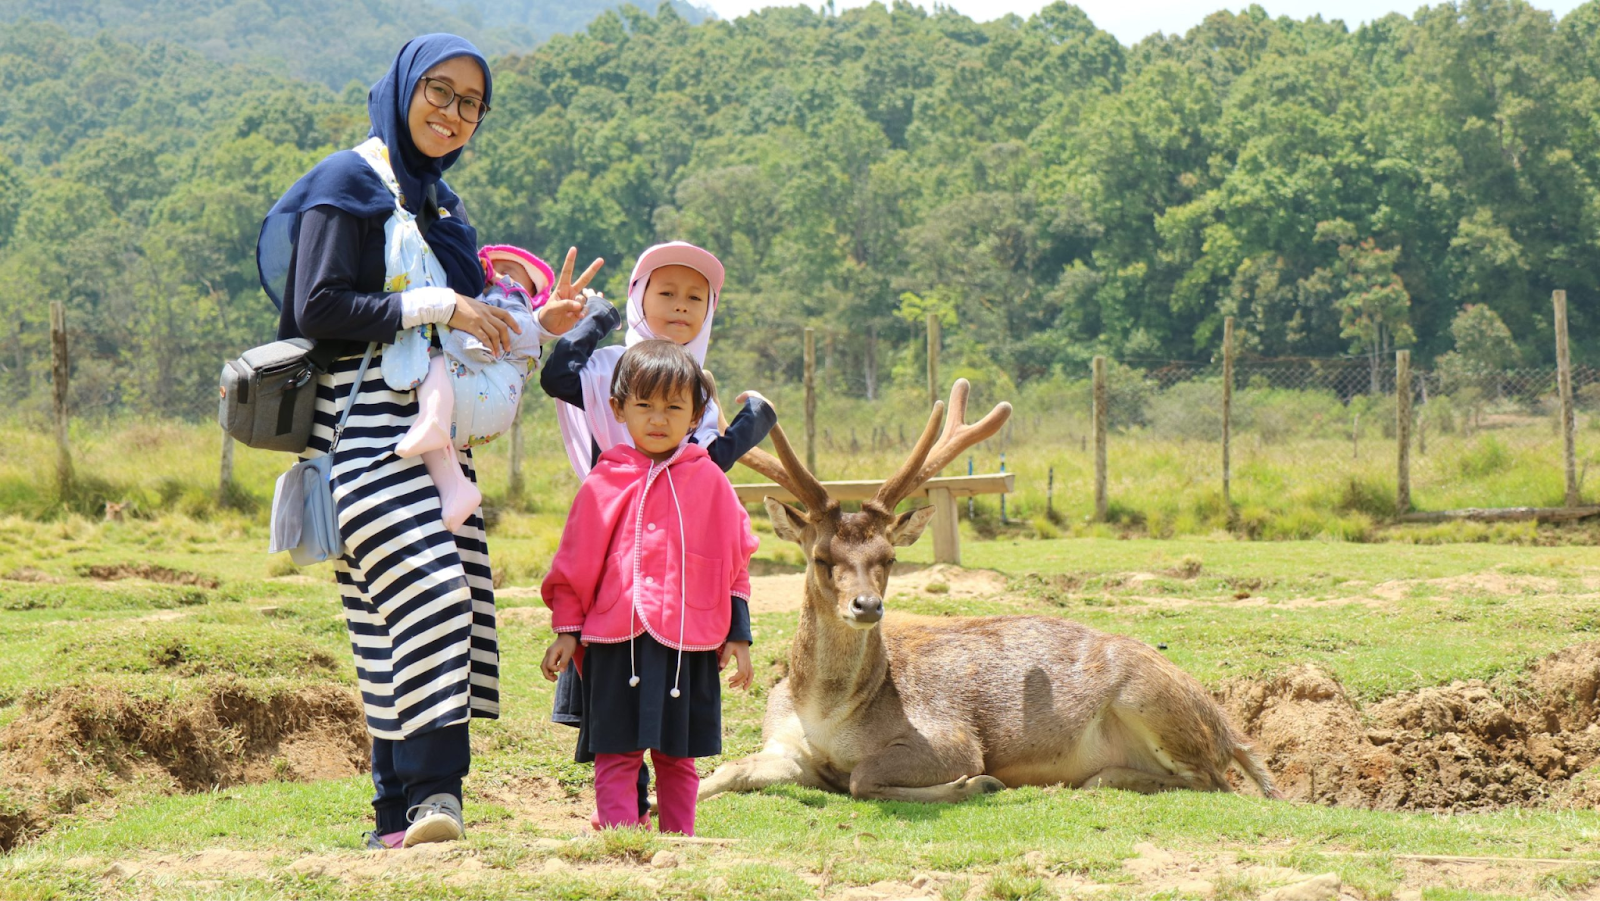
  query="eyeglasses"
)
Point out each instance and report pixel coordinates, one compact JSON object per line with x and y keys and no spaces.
{"x":441,"y":95}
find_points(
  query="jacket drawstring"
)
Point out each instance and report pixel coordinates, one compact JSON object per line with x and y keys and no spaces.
{"x":683,"y":596}
{"x":683,"y":579}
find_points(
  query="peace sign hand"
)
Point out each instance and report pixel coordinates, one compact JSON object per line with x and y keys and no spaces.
{"x":565,"y":307}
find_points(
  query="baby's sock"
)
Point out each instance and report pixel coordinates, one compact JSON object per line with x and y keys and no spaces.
{"x":458,"y":497}
{"x":436,"y":410}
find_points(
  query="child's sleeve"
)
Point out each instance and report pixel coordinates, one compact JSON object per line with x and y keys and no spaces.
{"x":747,"y":430}
{"x":561,"y":377}
{"x":569,"y":588}
{"x":745,"y":543}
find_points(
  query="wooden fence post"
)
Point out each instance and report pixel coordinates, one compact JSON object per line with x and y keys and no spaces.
{"x":225,"y":477}
{"x":60,"y":370}
{"x":946,"y":527}
{"x":1402,"y":422}
{"x":1564,"y":380}
{"x":1227,"y":414}
{"x":515,"y":488}
{"x":933,"y":359}
{"x":811,"y":398}
{"x":1100,"y":399}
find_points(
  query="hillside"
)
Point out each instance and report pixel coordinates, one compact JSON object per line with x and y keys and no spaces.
{"x":331,"y":41}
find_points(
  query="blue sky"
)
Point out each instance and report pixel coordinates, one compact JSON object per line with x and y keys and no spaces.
{"x":1131,"y":20}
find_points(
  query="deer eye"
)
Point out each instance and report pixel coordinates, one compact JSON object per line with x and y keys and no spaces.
{"x":823,"y":566}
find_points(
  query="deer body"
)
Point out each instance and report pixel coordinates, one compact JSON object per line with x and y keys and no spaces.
{"x":943,"y":708}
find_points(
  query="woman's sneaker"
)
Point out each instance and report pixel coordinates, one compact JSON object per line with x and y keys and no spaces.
{"x":436,"y":819}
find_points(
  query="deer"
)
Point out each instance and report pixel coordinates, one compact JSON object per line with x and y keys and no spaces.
{"x":942,"y":709}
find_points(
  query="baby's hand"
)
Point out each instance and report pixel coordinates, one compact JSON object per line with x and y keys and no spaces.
{"x":743,"y":675}
{"x":559,"y":655}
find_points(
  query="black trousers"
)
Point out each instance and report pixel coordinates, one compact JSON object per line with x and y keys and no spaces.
{"x":406,"y":772}
{"x":568,"y":711}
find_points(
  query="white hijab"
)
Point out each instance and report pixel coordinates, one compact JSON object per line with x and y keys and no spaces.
{"x":595,"y":424}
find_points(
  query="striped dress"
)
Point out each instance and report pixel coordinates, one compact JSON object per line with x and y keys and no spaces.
{"x":418,"y":601}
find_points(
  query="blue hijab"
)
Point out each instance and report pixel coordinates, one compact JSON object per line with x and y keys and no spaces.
{"x":344,"y":180}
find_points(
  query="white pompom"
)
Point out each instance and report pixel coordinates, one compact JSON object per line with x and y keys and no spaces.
{"x":674,"y":692}
{"x":633,"y":682}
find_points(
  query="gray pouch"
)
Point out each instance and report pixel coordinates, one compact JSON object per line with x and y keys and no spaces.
{"x":269,"y":395}
{"x":305,"y":520}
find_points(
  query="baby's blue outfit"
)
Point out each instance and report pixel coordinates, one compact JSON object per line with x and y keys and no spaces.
{"x":487,"y":389}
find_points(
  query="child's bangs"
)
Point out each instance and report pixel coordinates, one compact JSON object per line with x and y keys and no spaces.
{"x":657,"y":369}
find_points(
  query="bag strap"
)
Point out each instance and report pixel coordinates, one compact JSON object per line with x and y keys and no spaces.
{"x":350,"y":402}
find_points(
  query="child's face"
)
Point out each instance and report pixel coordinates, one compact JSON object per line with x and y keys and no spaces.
{"x":675,"y":303}
{"x":657,"y":424}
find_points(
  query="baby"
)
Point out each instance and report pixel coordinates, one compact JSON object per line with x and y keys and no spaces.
{"x":470,"y":396}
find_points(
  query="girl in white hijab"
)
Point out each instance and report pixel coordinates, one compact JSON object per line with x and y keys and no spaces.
{"x":672,"y":294}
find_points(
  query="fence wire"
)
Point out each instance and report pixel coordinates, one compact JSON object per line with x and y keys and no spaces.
{"x":1314,"y":433}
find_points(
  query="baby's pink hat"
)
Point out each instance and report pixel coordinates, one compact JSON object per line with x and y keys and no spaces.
{"x":536,"y":267}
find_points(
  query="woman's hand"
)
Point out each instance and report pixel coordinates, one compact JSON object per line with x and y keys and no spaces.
{"x":486,"y":322}
{"x":743,"y":674}
{"x":559,"y":655}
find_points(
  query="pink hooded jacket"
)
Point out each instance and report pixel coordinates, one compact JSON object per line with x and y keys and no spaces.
{"x":657,"y":547}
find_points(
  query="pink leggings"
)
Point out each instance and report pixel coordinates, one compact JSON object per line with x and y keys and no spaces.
{"x":616,"y":791}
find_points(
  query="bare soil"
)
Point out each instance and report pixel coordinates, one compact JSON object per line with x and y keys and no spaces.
{"x":149,"y":572}
{"x":73,"y":745}
{"x":1461,"y":747}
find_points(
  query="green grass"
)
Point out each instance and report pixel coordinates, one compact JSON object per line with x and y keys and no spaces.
{"x":268,"y":628}
{"x":1297,"y":477}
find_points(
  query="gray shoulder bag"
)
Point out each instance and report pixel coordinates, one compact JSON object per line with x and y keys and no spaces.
{"x":305,"y":521}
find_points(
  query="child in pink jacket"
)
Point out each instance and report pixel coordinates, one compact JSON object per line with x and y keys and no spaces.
{"x":653,"y":577}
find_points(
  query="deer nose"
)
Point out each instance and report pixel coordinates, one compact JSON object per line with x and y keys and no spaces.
{"x":867,"y":608}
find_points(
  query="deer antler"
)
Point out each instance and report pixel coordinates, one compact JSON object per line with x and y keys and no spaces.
{"x":927,"y":458}
{"x":790,"y":474}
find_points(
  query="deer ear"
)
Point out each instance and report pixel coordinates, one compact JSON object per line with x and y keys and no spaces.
{"x":908,"y":526}
{"x":787,"y":522}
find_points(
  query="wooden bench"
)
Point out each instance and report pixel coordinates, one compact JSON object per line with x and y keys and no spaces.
{"x":942,"y":491}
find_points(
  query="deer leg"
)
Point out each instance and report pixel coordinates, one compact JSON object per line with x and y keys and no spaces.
{"x":753,"y":773}
{"x":913,"y":771}
{"x":1134,"y":780}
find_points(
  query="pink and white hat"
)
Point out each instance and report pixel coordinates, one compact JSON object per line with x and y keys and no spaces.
{"x":541,"y":272}
{"x":679,"y":253}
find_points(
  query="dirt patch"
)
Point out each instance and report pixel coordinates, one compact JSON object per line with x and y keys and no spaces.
{"x":149,"y":572}
{"x":1487,"y":582}
{"x":79,"y":743}
{"x":1466,"y":746}
{"x":29,"y":574}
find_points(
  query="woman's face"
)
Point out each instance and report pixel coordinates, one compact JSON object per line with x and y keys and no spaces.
{"x":436,"y":131}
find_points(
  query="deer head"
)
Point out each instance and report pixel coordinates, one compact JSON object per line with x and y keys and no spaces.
{"x":849,"y":555}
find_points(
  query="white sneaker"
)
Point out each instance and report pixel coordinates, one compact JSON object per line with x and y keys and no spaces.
{"x":436,"y":819}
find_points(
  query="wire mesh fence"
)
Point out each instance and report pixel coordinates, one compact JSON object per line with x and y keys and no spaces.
{"x":1306,"y":434}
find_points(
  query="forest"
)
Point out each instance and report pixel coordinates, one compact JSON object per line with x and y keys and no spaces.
{"x":1049,"y":193}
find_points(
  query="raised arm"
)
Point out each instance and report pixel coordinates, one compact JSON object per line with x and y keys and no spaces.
{"x":561,"y":376}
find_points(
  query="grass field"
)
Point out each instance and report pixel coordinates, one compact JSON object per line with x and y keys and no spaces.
{"x":1301,"y":468}
{"x":176,"y":720}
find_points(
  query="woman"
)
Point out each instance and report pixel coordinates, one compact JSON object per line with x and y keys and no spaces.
{"x":419,"y":601}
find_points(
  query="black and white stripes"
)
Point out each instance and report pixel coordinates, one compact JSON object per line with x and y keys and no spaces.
{"x":418,"y":601}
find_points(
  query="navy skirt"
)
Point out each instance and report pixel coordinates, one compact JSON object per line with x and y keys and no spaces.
{"x":617,"y":718}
